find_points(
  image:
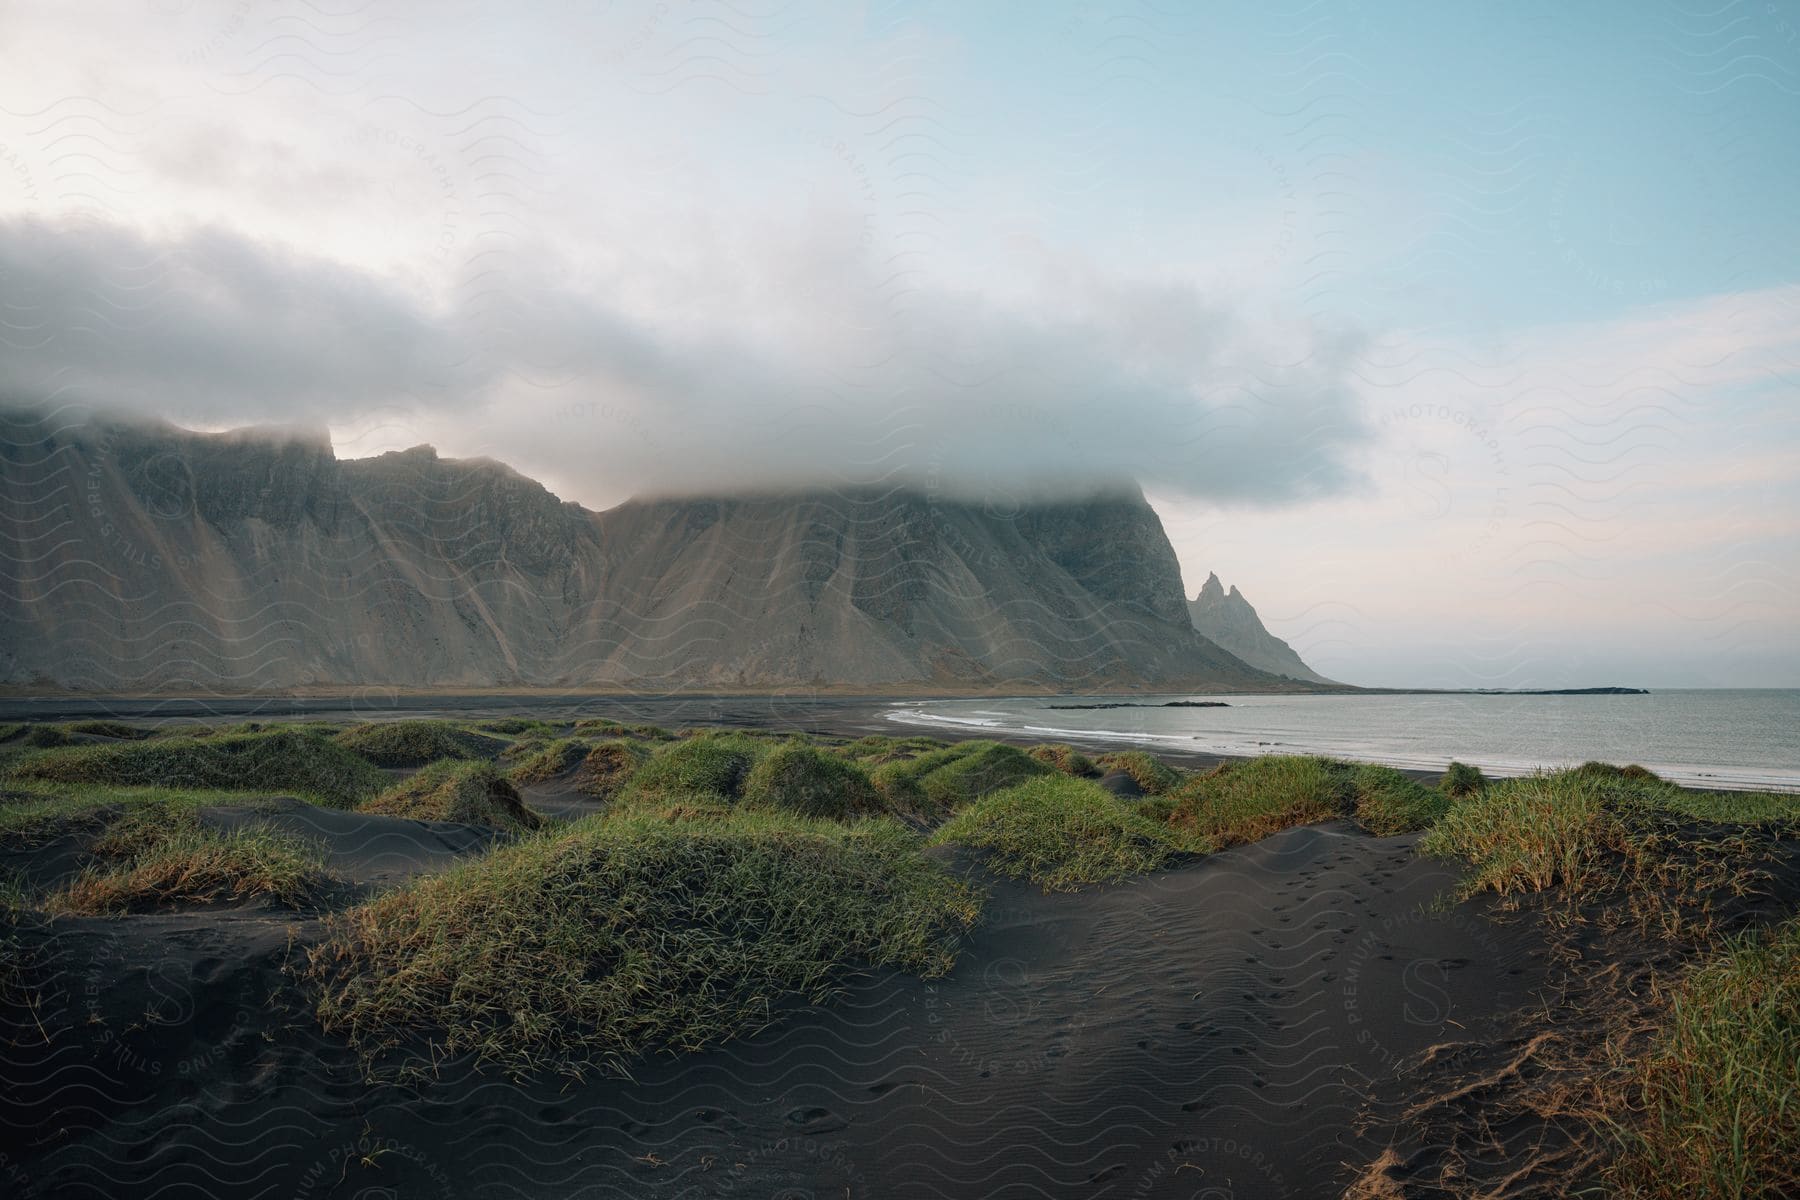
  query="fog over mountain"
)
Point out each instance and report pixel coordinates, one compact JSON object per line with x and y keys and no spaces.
{"x":143,"y":556}
{"x":1485,"y":345}
{"x":820,"y":384}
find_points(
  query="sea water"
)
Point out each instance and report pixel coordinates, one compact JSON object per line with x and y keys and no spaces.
{"x":1722,"y":738}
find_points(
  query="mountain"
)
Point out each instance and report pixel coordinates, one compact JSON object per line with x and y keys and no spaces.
{"x":141,"y":556}
{"x":1227,"y":619}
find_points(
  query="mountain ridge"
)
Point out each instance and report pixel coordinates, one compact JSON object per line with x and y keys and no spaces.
{"x":144,"y":556}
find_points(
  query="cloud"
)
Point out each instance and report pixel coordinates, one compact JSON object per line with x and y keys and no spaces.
{"x":789,"y":363}
{"x":205,"y":327}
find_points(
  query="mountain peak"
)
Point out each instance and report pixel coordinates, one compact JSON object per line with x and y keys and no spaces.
{"x":1228,"y":619}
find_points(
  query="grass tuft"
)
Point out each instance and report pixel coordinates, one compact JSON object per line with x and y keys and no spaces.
{"x":808,"y":782}
{"x":1059,"y":832}
{"x":608,"y":767}
{"x":1247,"y":800}
{"x":1530,"y":834}
{"x":1389,"y":803}
{"x":415,"y":743}
{"x":469,"y":793}
{"x":517,"y":726}
{"x":540,"y":762}
{"x":1607,"y":773}
{"x":185,"y":863}
{"x":1460,"y":779}
{"x":1150,"y":773}
{"x":110,"y":729}
{"x":876,"y":749}
{"x":1645,"y":849}
{"x":283,"y":761}
{"x":708,"y":766}
{"x":628,"y":933}
{"x":941,"y":781}
{"x":1065,"y":758}
{"x":1715,"y":1101}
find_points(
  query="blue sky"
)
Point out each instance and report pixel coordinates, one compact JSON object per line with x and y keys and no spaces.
{"x":1461,"y":337}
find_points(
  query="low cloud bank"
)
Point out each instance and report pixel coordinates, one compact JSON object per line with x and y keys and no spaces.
{"x":845,"y":381}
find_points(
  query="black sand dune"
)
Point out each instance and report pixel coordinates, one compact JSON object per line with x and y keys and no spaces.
{"x":1209,"y":1031}
{"x":364,"y":848}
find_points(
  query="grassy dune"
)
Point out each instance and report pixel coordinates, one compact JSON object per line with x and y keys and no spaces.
{"x":1061,"y":833}
{"x":729,"y":869}
{"x":418,"y":743}
{"x":937,"y":782}
{"x":614,"y":937}
{"x":277,"y":762}
{"x":472,"y":793}
{"x":186,"y":864}
{"x":539,"y":761}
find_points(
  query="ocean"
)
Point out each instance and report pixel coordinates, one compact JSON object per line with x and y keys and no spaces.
{"x":1719,"y":738}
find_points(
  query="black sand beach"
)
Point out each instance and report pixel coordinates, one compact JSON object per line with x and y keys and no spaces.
{"x":1266,"y":1021}
{"x":1215,"y":1026}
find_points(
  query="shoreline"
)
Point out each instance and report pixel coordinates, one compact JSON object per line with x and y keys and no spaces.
{"x":1280,"y":1003}
{"x":814,"y":713}
{"x":1168,"y":746}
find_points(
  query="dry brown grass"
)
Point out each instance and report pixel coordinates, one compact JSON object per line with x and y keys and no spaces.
{"x":189,"y":864}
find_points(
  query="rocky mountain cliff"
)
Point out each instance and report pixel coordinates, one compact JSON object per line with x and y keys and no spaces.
{"x":142,"y":556}
{"x":1228,"y":620}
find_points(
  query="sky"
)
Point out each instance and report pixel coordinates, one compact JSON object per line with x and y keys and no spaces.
{"x":1464,"y":339}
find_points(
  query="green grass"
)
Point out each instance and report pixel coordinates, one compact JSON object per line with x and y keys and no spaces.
{"x":10,"y":730}
{"x":183,"y":863}
{"x":603,"y":726}
{"x":38,"y":811}
{"x":540,"y":762}
{"x":1624,"y":841}
{"x":941,"y":781}
{"x":609,"y":767}
{"x":517,"y":726}
{"x":1531,"y":834}
{"x":16,"y":908}
{"x":1065,"y":758}
{"x":415,"y":743}
{"x":706,"y":767}
{"x":1059,"y":832}
{"x":1247,"y":800}
{"x":1150,"y":773}
{"x":110,"y":729}
{"x":983,"y":768}
{"x":470,"y":793}
{"x":805,"y":781}
{"x":1460,"y":779}
{"x":627,"y":933}
{"x":282,"y":761}
{"x":1388,"y":802}
{"x":1731,"y":807}
{"x":1723,"y":807}
{"x":1608,"y":773}
{"x":876,"y":749}
{"x":1713,"y":1107}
